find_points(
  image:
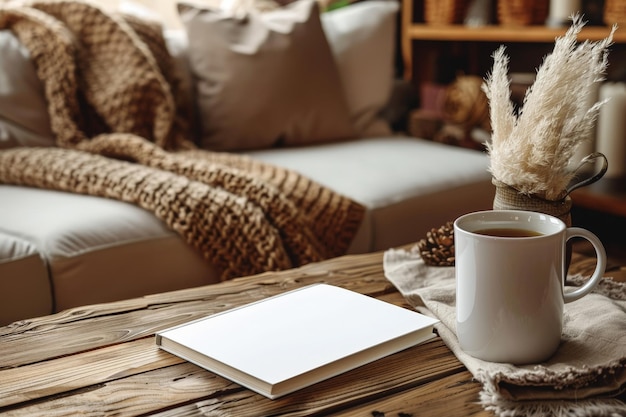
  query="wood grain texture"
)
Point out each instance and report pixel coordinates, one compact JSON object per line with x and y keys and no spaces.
{"x":91,"y":327}
{"x":69,"y":373}
{"x":102,"y":359}
{"x":453,"y":395}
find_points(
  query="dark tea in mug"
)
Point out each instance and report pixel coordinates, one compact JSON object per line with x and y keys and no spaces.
{"x":507,"y":232}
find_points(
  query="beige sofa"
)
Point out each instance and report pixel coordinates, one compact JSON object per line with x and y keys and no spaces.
{"x":60,"y":250}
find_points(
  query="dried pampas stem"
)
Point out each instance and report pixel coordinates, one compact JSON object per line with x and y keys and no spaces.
{"x":532,"y":151}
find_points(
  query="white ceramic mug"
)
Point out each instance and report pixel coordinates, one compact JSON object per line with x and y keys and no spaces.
{"x":510,"y":290}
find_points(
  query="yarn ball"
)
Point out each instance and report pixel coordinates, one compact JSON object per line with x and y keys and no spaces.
{"x":466,"y":104}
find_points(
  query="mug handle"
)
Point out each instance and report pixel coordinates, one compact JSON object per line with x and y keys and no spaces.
{"x":572,"y":232}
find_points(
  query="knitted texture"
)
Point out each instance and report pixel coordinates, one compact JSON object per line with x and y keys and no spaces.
{"x":121,"y":130}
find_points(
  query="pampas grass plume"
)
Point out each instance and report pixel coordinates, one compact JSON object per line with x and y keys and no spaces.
{"x":531,"y":151}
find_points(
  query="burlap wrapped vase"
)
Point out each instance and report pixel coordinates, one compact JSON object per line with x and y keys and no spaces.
{"x":508,"y":198}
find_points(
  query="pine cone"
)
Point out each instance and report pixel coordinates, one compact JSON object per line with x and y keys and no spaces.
{"x":437,"y":249}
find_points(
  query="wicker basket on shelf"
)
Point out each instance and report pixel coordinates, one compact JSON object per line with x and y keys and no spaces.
{"x":614,"y":12}
{"x":523,"y":12}
{"x":444,"y":11}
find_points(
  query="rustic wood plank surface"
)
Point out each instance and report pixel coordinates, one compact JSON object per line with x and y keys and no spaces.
{"x":90,"y":327}
{"x":453,"y":395}
{"x":102,"y":359}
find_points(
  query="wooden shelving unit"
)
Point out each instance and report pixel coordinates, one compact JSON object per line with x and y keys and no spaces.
{"x":418,"y":31}
{"x":607,"y":197}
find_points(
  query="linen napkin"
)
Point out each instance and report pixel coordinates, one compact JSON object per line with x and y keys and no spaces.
{"x":580,"y":379}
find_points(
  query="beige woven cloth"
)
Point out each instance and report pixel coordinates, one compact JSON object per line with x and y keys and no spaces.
{"x":579,"y":380}
{"x":121,"y":129}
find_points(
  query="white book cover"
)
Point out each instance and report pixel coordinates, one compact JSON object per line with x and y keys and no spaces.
{"x":289,"y":341}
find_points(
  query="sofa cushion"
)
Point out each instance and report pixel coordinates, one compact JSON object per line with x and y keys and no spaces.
{"x":24,"y":117}
{"x":99,"y":250}
{"x":408,"y":185}
{"x":362,"y":38}
{"x":264,"y":79}
{"x":96,"y":250}
{"x":25,"y":289}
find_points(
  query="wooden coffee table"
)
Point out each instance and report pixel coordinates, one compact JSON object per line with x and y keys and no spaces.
{"x":102,"y":359}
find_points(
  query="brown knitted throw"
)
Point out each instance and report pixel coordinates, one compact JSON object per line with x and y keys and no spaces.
{"x":121,"y":130}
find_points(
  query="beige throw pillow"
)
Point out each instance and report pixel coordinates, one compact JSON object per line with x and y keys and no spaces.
{"x":24,"y":119}
{"x":264,"y":78}
{"x":362,"y":37}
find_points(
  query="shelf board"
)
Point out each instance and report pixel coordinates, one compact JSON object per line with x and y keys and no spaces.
{"x":606,"y":196}
{"x":535,"y":34}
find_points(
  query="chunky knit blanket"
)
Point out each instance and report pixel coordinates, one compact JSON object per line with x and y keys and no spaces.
{"x":121,"y":128}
